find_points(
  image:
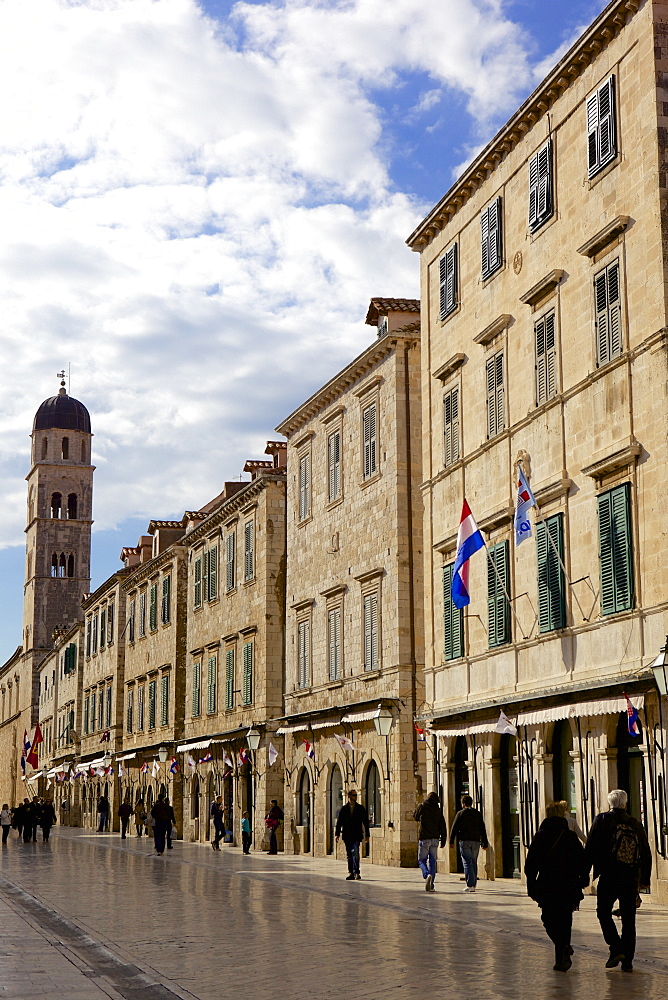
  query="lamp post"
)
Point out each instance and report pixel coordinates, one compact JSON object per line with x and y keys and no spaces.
{"x":660,"y":671}
{"x":162,"y":754}
{"x":253,"y":740}
{"x":383,"y":722}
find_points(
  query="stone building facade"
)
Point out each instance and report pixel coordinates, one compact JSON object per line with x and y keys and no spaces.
{"x":354,"y":620}
{"x":543,"y":276}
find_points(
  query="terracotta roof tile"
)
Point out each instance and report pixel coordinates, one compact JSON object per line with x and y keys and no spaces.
{"x":380,"y":307}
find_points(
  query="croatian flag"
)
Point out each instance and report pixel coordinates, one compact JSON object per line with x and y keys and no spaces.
{"x":308,"y":749}
{"x":243,"y":756}
{"x":25,"y":751}
{"x":421,"y":735}
{"x":469,"y":540}
{"x":206,"y":758}
{"x":227,"y":760}
{"x":632,"y":712}
{"x":524,"y":502}
{"x":344,"y":742}
{"x":144,"y":768}
{"x":174,"y":766}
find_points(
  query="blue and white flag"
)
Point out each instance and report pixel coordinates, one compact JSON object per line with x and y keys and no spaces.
{"x":632,"y":713}
{"x":469,"y":540}
{"x":525,"y":500}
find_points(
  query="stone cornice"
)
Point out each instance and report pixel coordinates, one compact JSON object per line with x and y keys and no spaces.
{"x":154,"y":565}
{"x":232,"y":506}
{"x":604,"y":236}
{"x":596,"y":38}
{"x":356,"y":370}
{"x":109,"y":584}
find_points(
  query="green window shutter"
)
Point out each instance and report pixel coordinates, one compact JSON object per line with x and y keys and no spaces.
{"x":153,"y":608}
{"x":371,"y":631}
{"x":303,"y":653}
{"x":616,"y":550}
{"x":103,"y":628}
{"x":497,"y":604}
{"x":164,"y":700}
{"x":198,"y":583}
{"x":229,"y":678}
{"x":165,"y":610}
{"x":490,"y":238}
{"x":196,"y":705}
{"x":93,"y":706}
{"x":451,"y":426}
{"x":495,"y":394}
{"x":546,"y":359}
{"x":211,"y":687}
{"x":87,"y":715}
{"x":108,"y":708}
{"x":130,"y":712}
{"x":213,"y":573}
{"x":453,"y":619}
{"x":447,"y":279}
{"x":551,"y":585}
{"x":229,"y":561}
{"x":304,"y":487}
{"x":131,"y":626}
{"x":151,"y":704}
{"x":249,"y":555}
{"x":142,"y":613}
{"x":110,"y":625}
{"x":247,"y":689}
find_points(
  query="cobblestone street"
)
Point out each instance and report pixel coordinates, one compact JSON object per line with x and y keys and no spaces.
{"x":89,"y":916}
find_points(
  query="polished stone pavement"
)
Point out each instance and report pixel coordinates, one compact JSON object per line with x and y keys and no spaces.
{"x":90,"y":915}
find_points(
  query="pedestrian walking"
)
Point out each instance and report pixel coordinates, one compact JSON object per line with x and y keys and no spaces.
{"x":140,"y":817}
{"x":161,"y":823}
{"x":5,"y":821}
{"x":432,"y":834}
{"x":618,"y":850}
{"x":218,"y":817}
{"x":102,"y":813}
{"x":468,"y":829}
{"x":557,"y":871}
{"x":273,"y":820}
{"x":572,"y":822}
{"x":171,"y":829}
{"x":352,"y":824}
{"x":17,"y":817}
{"x":31,"y":812}
{"x":124,"y":813}
{"x":47,"y":817}
{"x":246,"y":834}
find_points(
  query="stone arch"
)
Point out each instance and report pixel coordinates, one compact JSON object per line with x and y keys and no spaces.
{"x":54,"y":564}
{"x":65,"y":448}
{"x":72,"y":504}
{"x":56,"y":504}
{"x":45,"y":447}
{"x":62,"y":566}
{"x":372,"y":786}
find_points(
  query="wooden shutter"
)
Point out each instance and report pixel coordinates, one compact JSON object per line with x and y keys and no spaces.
{"x":164,"y":700}
{"x":451,"y":426}
{"x":607,"y":298}
{"x":497,"y":603}
{"x":551,"y":589}
{"x":601,"y":132}
{"x":229,"y":678}
{"x":205,"y":576}
{"x":131,"y":627}
{"x":142,"y":613}
{"x":196,"y":689}
{"x":103,"y":628}
{"x":592,"y":133}
{"x":495,"y":395}
{"x":229,"y":561}
{"x":198,"y":583}
{"x":151,"y":704}
{"x":334,"y":642}
{"x":490,"y":236}
{"x":130,"y":712}
{"x":447,"y":277}
{"x":616,"y":550}
{"x":110,"y":624}
{"x":369,"y":434}
{"x":546,"y":361}
{"x":334,"y":465}
{"x":153,"y":612}
{"x":107,"y":720}
{"x":303,"y":653}
{"x":213,"y":573}
{"x":211,"y":688}
{"x":249,"y":538}
{"x":371,"y":631}
{"x":540,"y":186}
{"x":166,"y":610}
{"x":247,"y":692}
{"x":304,"y":486}
{"x":614,"y":309}
{"x":453,"y":619}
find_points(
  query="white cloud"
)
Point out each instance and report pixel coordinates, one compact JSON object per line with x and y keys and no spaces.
{"x":196,"y":217}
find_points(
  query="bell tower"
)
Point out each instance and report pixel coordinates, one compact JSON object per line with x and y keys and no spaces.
{"x":58,"y":524}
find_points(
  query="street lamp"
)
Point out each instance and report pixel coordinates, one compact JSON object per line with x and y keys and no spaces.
{"x":107,"y":759}
{"x":660,"y":670}
{"x":383,"y":721}
{"x":162,"y":754}
{"x":253,"y":739}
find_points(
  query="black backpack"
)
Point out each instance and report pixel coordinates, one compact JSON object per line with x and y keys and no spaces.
{"x":625,"y":848}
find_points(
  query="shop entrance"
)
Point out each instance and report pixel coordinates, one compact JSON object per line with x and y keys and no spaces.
{"x":631,"y":768}
{"x":335,"y":803}
{"x":510,"y":809}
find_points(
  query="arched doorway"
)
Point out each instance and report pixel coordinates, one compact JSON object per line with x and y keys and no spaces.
{"x":462,"y":785}
{"x":228,"y":800}
{"x":304,"y":808}
{"x":372,"y":794}
{"x":631,"y":768}
{"x":510,"y":809}
{"x":210,"y":799}
{"x":335,"y":803}
{"x":563,"y":765}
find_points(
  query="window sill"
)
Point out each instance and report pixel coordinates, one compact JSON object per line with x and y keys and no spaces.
{"x":334,"y":503}
{"x":492,"y":276}
{"x":371,"y":480}
{"x":451,"y":315}
{"x":335,"y":684}
{"x":248,"y":583}
{"x":603,"y":171}
{"x":304,"y":521}
{"x":302,"y":692}
{"x":370,"y":675}
{"x":230,"y":593}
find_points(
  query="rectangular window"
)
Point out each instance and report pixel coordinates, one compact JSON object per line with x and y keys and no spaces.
{"x":142,"y":613}
{"x":166,"y":606}
{"x":205,"y":576}
{"x":451,"y":426}
{"x":498,"y":585}
{"x":334,"y":643}
{"x":71,"y":658}
{"x":247,"y":687}
{"x":110,"y":625}
{"x":371,"y":631}
{"x":616,"y":550}
{"x":249,"y":554}
{"x":95,"y":627}
{"x":103,"y":628}
{"x":608,"y":314}
{"x":100,"y":709}
{"x":369,"y":434}
{"x":93,"y":706}
{"x":229,"y":678}
{"x":107,"y":711}
{"x":334,"y":466}
{"x":89,"y":633}
{"x":453,"y":619}
{"x":447,"y":281}
{"x":153,"y":608}
{"x":197,"y":704}
{"x":140,"y":708}
{"x":546,"y":358}
{"x":303,"y":653}
{"x":152,"y":693}
{"x":131,"y":626}
{"x":130,"y":711}
{"x":213,"y":573}
{"x":164,"y":700}
{"x":490,"y":238}
{"x":601,"y":131}
{"x":86,"y":718}
{"x":197,"y":600}
{"x":551,"y":588}
{"x":304,"y":487}
{"x":211,"y":686}
{"x":495,"y":395}
{"x":540,"y":187}
{"x":230,"y":568}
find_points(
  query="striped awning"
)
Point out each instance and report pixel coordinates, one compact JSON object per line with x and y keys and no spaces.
{"x":194,"y":745}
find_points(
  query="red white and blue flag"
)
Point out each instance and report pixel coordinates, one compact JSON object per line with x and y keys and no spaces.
{"x":524,"y":502}
{"x":206,"y":758}
{"x":174,"y":766}
{"x":243,"y":756}
{"x":308,"y":749}
{"x":25,"y":750}
{"x":632,"y":712}
{"x":469,"y":540}
{"x":144,"y":768}
{"x":33,"y":758}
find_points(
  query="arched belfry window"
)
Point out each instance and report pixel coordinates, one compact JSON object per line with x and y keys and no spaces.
{"x":65,"y":449}
{"x":70,"y":565}
{"x":54,"y":564}
{"x":372,"y":794}
{"x":45,"y":447}
{"x":72,"y":506}
{"x":62,"y":565}
{"x":56,"y":501}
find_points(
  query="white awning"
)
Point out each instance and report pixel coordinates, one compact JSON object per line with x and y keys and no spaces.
{"x":285,"y":730}
{"x":127,"y":756}
{"x":34,"y":777}
{"x":194,"y":745}
{"x":583,"y":710}
{"x":371,"y":713}
{"x":325,"y":725}
{"x":98,"y":762}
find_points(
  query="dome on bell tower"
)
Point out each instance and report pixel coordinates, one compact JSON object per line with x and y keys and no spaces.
{"x":64,"y":412}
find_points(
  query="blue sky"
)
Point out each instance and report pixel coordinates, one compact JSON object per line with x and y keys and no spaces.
{"x":198,"y":201}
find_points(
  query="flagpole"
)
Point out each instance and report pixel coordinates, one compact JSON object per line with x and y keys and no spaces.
{"x":539,"y":515}
{"x":503,"y":587}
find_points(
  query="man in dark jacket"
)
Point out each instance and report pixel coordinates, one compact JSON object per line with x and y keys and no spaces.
{"x":432,"y":832}
{"x":47,"y":817}
{"x":161,"y":823}
{"x":618,"y":850}
{"x":31,"y":811}
{"x":124,"y":812}
{"x":469,"y":830}
{"x":353,"y":825}
{"x":557,"y":872}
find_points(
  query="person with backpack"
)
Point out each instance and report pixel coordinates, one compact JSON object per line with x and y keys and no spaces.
{"x":618,"y":850}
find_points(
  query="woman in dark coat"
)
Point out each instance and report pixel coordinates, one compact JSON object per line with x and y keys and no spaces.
{"x":557,"y":872}
{"x":47,"y":818}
